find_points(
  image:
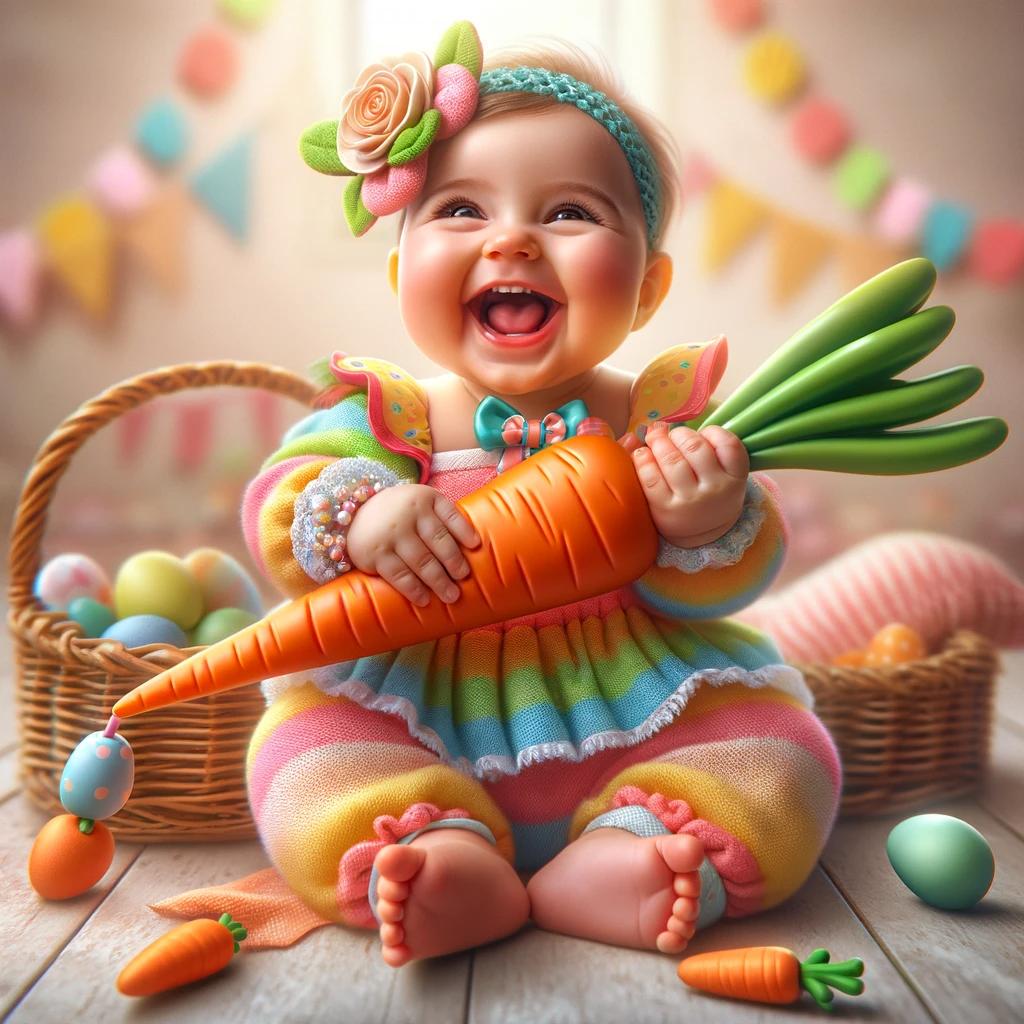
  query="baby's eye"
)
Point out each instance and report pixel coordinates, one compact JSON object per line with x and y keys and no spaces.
{"x":572,"y":211}
{"x":459,"y":210}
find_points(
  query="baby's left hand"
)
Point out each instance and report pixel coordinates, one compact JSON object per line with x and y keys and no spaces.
{"x":694,"y":481}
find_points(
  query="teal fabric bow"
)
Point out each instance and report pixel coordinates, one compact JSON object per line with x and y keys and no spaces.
{"x":498,"y":425}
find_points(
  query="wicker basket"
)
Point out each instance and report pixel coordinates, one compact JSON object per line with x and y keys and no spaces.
{"x":910,"y":733}
{"x":189,"y":758}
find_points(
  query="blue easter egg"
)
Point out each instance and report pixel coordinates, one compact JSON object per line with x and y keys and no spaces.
{"x":98,"y":776}
{"x":92,"y":616}
{"x":140,"y":630}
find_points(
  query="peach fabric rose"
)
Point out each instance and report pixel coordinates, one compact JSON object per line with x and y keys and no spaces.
{"x":388,"y":97}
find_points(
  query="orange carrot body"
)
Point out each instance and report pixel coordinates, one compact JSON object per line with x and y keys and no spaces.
{"x":569,"y":523}
{"x":767,"y":974}
{"x":193,"y":950}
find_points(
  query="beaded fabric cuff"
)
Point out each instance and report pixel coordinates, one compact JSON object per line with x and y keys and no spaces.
{"x":324,"y":511}
{"x":728,"y":549}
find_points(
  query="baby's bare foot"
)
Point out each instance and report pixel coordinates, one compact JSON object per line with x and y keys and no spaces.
{"x":615,"y":887}
{"x":449,"y":889}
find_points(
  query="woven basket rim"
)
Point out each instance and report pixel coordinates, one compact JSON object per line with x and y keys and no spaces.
{"x":52,"y":632}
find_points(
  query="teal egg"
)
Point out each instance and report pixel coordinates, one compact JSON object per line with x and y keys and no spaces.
{"x":98,"y":776}
{"x":942,"y":860}
{"x":140,"y":630}
{"x":220,"y":624}
{"x":93,"y":617}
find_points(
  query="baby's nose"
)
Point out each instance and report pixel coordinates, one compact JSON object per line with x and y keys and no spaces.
{"x":511,"y":245}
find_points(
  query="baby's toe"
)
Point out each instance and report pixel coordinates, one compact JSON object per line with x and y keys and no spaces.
{"x":687,"y":884}
{"x":391,"y":934}
{"x":685,"y":908}
{"x":399,"y":863}
{"x":679,"y":927}
{"x":396,"y":956}
{"x":682,"y":853}
{"x":390,"y":912}
{"x":670,"y":942}
{"x":387,"y":889}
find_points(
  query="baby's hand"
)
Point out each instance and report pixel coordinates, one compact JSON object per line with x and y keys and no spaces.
{"x":410,"y":535}
{"x":694,"y":482}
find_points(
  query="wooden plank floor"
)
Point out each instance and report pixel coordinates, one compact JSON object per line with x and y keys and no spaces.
{"x":58,"y":961}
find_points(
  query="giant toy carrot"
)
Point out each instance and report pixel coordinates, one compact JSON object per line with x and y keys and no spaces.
{"x":569,"y":523}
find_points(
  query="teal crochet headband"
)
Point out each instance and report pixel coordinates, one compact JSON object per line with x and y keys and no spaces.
{"x":566,"y":89}
{"x":398,"y":107}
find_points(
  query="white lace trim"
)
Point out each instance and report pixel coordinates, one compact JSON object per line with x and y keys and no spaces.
{"x":463,"y":458}
{"x":729,"y":548}
{"x":493,"y":766}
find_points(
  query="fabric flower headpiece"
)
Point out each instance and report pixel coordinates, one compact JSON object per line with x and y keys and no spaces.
{"x":389,"y":119}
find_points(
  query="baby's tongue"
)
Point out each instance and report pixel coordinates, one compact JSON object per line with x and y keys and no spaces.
{"x":516,"y":313}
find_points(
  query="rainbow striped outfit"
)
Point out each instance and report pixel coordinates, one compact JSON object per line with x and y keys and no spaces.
{"x":645,"y":708}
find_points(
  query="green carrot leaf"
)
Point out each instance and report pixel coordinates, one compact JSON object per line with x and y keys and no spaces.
{"x":819,"y":956}
{"x":822,"y":993}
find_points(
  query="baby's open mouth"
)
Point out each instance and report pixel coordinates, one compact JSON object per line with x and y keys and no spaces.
{"x":513,"y":310}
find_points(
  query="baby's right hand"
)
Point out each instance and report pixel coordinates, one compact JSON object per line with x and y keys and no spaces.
{"x":411,"y":536}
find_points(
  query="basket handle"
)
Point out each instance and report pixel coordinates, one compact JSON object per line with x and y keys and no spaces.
{"x":55,"y":455}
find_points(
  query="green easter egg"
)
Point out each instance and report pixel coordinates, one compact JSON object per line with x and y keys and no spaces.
{"x":220,"y":624}
{"x":92,"y":616}
{"x":157,"y":583}
{"x":942,"y":860}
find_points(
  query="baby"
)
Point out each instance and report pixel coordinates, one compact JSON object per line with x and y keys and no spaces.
{"x":656,"y":764}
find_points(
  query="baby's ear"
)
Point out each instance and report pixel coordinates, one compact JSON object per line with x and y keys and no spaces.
{"x":653,"y":289}
{"x":393,"y":269}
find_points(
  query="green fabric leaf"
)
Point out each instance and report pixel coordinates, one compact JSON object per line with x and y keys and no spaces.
{"x":359,"y":218}
{"x":460,"y":45}
{"x":415,"y":140}
{"x":319,"y":148}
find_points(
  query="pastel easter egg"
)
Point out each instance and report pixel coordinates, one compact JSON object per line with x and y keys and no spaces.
{"x":68,"y":576}
{"x":893,"y":644}
{"x":92,"y":616}
{"x":157,"y":583}
{"x":223,"y":581}
{"x":942,"y":860}
{"x":140,"y":630}
{"x":220,"y":624}
{"x":98,"y":776}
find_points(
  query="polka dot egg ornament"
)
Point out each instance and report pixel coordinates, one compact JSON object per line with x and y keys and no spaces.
{"x":894,"y":644}
{"x":99,"y":775}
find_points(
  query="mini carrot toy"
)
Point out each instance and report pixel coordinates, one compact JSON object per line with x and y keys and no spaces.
{"x":771,"y":974}
{"x":193,"y":950}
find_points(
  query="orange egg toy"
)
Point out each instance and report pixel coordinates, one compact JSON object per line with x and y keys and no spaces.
{"x":893,"y":644}
{"x":849,"y":659}
{"x":65,"y":861}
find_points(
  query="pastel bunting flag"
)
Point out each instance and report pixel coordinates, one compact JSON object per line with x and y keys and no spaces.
{"x":194,"y":433}
{"x":945,"y":234}
{"x":861,"y":258}
{"x":799,"y":250}
{"x":997,"y":250}
{"x":120,"y":182}
{"x":161,"y":133}
{"x":733,"y":218}
{"x":698,"y":177}
{"x":223,"y":186}
{"x":131,"y":431}
{"x":156,"y":236}
{"x":901,"y":211}
{"x":79,"y":246}
{"x":860,"y":176}
{"x":20,"y":277}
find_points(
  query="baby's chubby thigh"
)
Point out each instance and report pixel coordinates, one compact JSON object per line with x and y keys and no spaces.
{"x":331,"y":783}
{"x":751,"y":772}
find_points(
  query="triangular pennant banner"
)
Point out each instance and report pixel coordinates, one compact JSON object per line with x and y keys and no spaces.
{"x":799,"y":249}
{"x":698,"y":177}
{"x":156,"y":235}
{"x":862,"y":258}
{"x":79,"y":246}
{"x":20,"y":266}
{"x":733,"y":217}
{"x":194,"y":434}
{"x":222,"y":185}
{"x":131,"y":431}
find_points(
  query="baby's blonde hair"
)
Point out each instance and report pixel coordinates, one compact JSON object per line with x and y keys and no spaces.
{"x":594,"y":69}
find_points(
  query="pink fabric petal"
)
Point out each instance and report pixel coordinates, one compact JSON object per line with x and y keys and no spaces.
{"x":356,"y":865}
{"x":392,"y":188}
{"x":455,"y":99}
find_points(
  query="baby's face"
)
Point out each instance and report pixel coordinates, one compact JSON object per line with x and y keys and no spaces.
{"x":521,"y":262}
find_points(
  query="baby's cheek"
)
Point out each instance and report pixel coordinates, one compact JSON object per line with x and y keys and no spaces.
{"x":607,"y":279}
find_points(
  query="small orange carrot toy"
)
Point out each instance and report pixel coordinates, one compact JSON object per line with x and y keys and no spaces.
{"x":771,"y":974}
{"x":193,"y":950}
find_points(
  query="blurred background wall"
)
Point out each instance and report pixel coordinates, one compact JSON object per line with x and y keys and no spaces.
{"x":934,"y":85}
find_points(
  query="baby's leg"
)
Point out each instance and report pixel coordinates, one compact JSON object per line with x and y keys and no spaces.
{"x":750,"y":773}
{"x":335,"y":787}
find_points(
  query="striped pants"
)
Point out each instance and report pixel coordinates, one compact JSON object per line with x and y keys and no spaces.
{"x":750,"y":772}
